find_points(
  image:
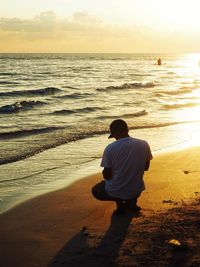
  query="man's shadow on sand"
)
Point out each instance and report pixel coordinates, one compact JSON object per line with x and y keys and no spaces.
{"x":90,"y":249}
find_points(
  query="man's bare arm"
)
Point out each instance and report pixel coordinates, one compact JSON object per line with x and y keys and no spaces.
{"x":107,"y":173}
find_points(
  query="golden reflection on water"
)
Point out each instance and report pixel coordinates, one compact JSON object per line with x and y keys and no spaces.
{"x":190,"y":114}
{"x":192,"y":62}
{"x":190,"y":73}
{"x":193,"y":132}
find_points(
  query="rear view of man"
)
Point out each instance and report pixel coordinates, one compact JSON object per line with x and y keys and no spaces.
{"x":124,"y":162}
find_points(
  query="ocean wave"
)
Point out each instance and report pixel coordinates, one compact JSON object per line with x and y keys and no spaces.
{"x":171,"y":72}
{"x":8,"y":82}
{"x":180,"y":105}
{"x":43,"y":91}
{"x":129,"y":86}
{"x":69,"y":87}
{"x":127,"y":115}
{"x":19,"y":106}
{"x":188,"y":87}
{"x":74,"y":95}
{"x":72,"y":111}
{"x":59,"y":136}
{"x":173,"y":92}
{"x":9,"y":73}
{"x":43,"y":72}
{"x":27,"y":132}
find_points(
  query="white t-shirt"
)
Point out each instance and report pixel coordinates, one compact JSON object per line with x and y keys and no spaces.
{"x":127,"y":158}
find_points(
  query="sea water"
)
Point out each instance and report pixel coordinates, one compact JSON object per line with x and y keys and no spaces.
{"x":55,"y":110}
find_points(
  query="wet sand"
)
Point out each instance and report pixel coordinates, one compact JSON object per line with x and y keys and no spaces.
{"x":70,"y":228}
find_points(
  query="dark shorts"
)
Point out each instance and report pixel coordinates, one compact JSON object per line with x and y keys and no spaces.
{"x":100,"y":193}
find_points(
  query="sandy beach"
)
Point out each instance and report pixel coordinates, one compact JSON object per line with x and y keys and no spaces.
{"x":70,"y":228}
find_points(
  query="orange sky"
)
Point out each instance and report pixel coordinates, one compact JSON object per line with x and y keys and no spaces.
{"x":114,"y":26}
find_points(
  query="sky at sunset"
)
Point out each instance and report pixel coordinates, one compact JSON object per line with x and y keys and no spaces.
{"x":112,"y":26}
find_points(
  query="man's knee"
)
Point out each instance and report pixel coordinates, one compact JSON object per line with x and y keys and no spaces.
{"x":98,"y":191}
{"x":94,"y":191}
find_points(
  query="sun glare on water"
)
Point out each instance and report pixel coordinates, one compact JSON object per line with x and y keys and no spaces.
{"x":189,"y":67}
{"x":192,"y":61}
{"x":188,"y":71}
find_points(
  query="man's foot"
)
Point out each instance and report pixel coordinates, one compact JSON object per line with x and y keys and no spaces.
{"x":134,"y":208}
{"x":122,"y":206}
{"x":119,"y":212}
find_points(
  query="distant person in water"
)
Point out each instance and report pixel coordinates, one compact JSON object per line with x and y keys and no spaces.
{"x":159,"y":62}
{"x":124,"y":162}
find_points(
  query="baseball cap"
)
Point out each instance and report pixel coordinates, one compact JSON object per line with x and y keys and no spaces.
{"x":118,"y":126}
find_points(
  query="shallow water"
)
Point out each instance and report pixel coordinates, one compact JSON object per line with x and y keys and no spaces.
{"x":61,"y":166}
{"x":55,"y":110}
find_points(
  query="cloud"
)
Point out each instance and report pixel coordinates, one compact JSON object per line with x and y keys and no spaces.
{"x":46,"y":21}
{"x":85,"y":18}
{"x":85,"y":33}
{"x":80,"y":24}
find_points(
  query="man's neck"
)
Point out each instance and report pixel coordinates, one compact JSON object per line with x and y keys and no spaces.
{"x":122,"y":136}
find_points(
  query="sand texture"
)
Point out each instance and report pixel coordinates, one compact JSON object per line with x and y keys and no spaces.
{"x":70,"y":228}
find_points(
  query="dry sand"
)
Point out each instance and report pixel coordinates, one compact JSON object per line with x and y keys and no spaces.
{"x":70,"y":228}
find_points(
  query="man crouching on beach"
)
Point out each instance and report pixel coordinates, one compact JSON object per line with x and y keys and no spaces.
{"x":124,"y":162}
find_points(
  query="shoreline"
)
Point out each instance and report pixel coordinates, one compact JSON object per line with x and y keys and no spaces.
{"x":54,"y":169}
{"x":53,"y":229}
